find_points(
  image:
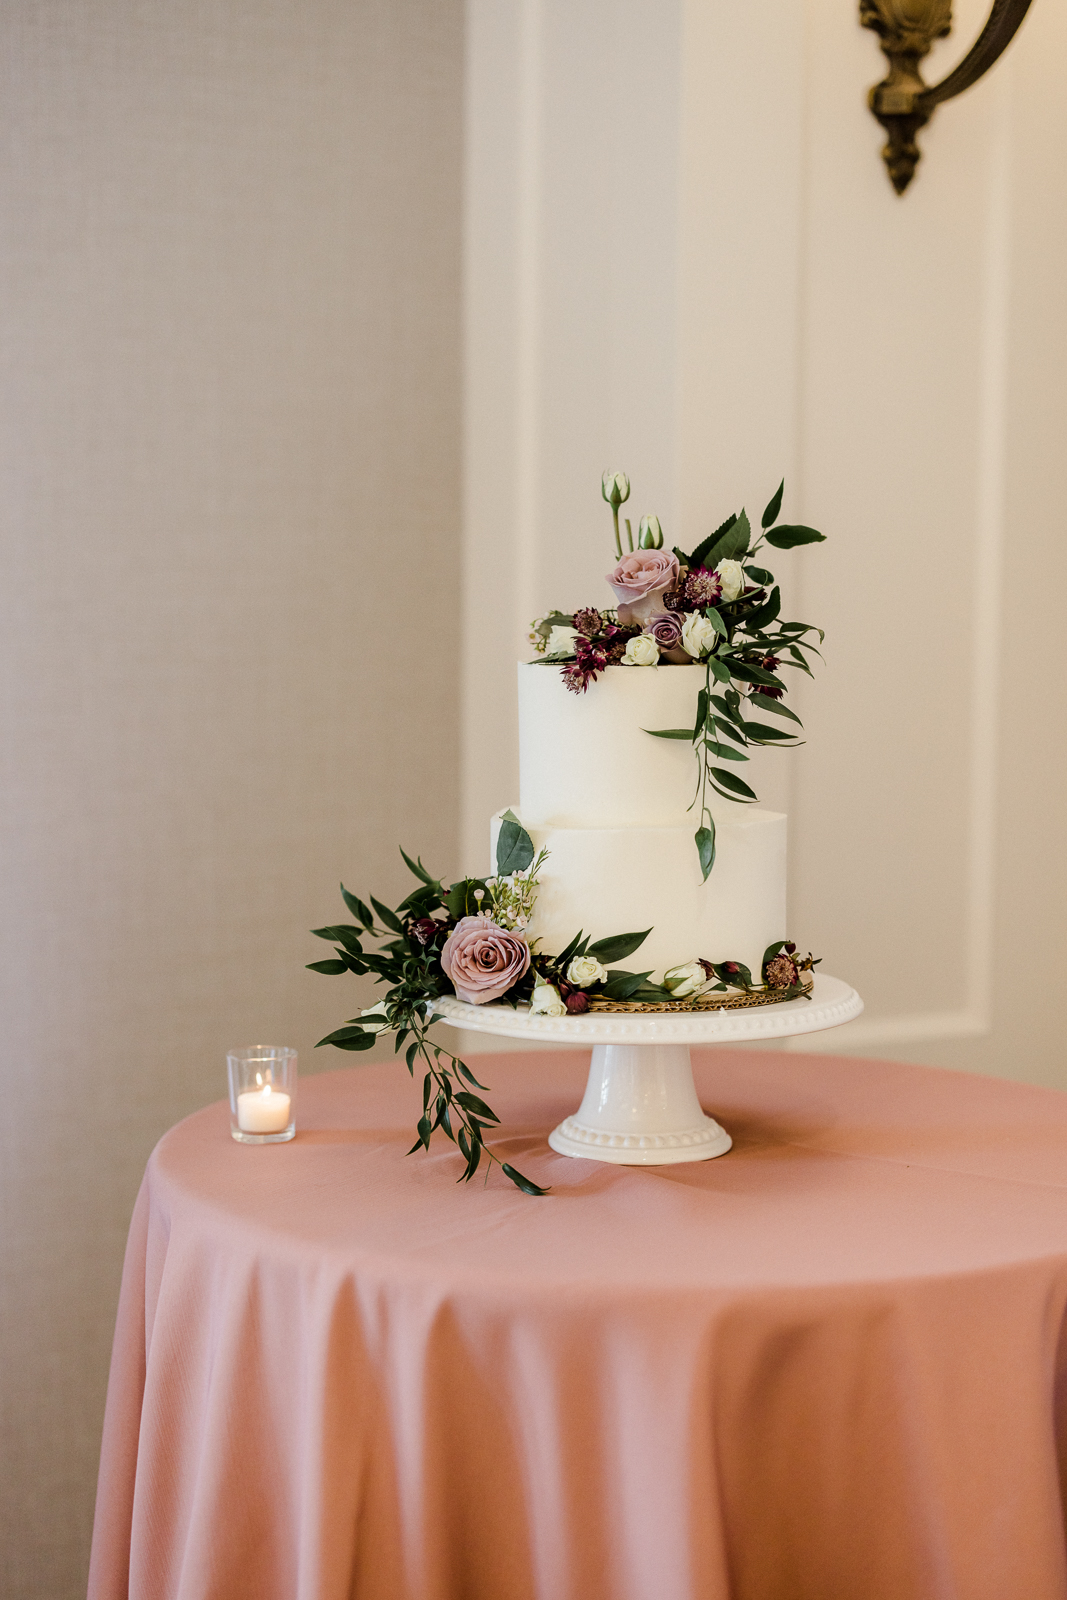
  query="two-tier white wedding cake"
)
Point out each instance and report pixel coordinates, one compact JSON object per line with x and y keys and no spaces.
{"x":612,"y":806}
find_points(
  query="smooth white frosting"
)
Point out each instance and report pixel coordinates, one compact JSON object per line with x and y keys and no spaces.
{"x":612,"y":806}
{"x":622,"y":880}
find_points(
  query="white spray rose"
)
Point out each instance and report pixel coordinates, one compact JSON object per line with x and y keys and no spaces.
{"x":641,"y":651}
{"x":686,"y":980}
{"x":732,"y":578}
{"x":585,"y":970}
{"x":546,"y":1001}
{"x":698,"y":635}
{"x":560,"y":642}
{"x":375,"y":1019}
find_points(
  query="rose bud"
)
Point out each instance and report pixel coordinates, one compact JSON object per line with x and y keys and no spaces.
{"x":577,"y":1003}
{"x":615,"y":487}
{"x":650,"y":534}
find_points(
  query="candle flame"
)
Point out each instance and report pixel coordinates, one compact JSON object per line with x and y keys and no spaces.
{"x":266,"y":1091}
{"x":259,"y":1077}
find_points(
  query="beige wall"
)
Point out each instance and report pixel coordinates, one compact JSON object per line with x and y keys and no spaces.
{"x":229,"y":481}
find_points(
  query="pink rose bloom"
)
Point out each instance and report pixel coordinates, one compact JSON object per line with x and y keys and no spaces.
{"x":640,"y":581}
{"x":482,"y":960}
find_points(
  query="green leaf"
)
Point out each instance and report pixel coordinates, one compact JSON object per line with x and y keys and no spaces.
{"x":702,"y":714}
{"x":741,"y":979}
{"x":759,"y":575}
{"x":728,"y":706}
{"x":733,"y":543}
{"x":747,"y":673}
{"x":730,"y":780}
{"x":731,"y":732}
{"x":465,"y":1071}
{"x":765,"y":613}
{"x":719,"y":669}
{"x":389,"y":918}
{"x":670,"y":733}
{"x":762,"y":731}
{"x":357,"y":908}
{"x":771,"y":951}
{"x":774,"y":505}
{"x":726,"y":752}
{"x":621,"y":985}
{"x":418,"y":869}
{"x":471,"y":1102}
{"x":705,"y":842}
{"x":697,"y":558}
{"x":789,"y":534}
{"x":349,"y":1039}
{"x":763,"y":702}
{"x":341,"y":933}
{"x":571,"y":949}
{"x":716,"y":621}
{"x":409,"y":1055}
{"x":519,"y":1181}
{"x":332,"y":969}
{"x":514,"y":847}
{"x":618,"y":946}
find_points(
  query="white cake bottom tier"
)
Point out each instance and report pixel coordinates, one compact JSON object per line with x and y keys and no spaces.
{"x":622,"y":880}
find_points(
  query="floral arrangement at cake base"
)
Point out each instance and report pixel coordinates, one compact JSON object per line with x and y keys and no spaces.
{"x":470,"y":939}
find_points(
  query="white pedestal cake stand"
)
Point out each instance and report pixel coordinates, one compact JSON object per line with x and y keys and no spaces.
{"x":640,"y":1106}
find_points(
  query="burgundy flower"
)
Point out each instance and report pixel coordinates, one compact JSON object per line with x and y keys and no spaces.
{"x":781,"y":973}
{"x":425,"y":929}
{"x":588,"y":621}
{"x":482,"y":960}
{"x":577,"y":1002}
{"x":770,"y":663}
{"x":731,"y":967}
{"x":703,"y":588}
{"x":771,"y":690}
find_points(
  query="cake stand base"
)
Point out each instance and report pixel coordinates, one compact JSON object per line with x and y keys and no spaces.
{"x":640,"y":1107}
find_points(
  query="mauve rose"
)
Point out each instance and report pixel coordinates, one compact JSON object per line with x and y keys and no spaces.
{"x":640,"y":581}
{"x":482,"y":960}
{"x":666,"y":630}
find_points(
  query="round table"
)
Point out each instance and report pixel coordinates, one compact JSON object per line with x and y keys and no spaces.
{"x":831,"y":1365}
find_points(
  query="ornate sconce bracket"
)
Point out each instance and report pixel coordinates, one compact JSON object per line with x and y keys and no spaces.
{"x":902,"y":102}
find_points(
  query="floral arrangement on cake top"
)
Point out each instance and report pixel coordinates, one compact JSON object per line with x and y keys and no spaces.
{"x":716,"y":608}
{"x":470,"y":939}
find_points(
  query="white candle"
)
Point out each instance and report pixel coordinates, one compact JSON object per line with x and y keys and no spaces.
{"x":263,"y":1110}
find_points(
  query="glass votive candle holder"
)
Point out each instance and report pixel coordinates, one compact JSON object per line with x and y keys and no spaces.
{"x":262,"y":1093}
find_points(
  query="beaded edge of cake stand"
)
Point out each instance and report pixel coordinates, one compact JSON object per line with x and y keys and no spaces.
{"x":707,"y":1002}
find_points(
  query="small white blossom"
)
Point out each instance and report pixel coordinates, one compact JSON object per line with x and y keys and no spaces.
{"x":686,"y":980}
{"x":585,"y":970}
{"x":546,"y":1001}
{"x":698,"y":635}
{"x":732,"y":578}
{"x":641,"y":651}
{"x":375,"y":1018}
{"x":560,"y":642}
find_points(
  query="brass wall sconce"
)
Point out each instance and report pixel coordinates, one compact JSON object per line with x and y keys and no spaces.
{"x":902,"y":102}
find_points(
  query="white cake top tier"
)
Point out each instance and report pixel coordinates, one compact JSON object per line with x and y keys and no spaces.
{"x":584,"y":759}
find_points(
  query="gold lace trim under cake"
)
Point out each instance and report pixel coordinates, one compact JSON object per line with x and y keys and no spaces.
{"x":707,"y":1002}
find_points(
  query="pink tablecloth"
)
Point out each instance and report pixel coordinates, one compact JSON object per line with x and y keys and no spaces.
{"x":830,"y":1365}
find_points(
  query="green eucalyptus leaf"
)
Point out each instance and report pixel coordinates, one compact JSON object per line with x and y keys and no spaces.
{"x":701,"y":716}
{"x":471,"y":1102}
{"x":341,"y":933}
{"x":762,"y":731}
{"x":716,"y":621}
{"x":774,"y":505}
{"x":763,"y":702}
{"x":621,"y":985}
{"x":389,"y":918}
{"x":730,"y":780}
{"x":417,"y":868}
{"x":357,"y":908}
{"x":519,"y":1181}
{"x":787,"y":535}
{"x":332,"y":969}
{"x":759,"y":575}
{"x":771,"y":951}
{"x":514,"y":847}
{"x":705,"y":843}
{"x":670,"y":733}
{"x":747,"y":673}
{"x":725,"y":752}
{"x":465,"y":1072}
{"x":618,"y":946}
{"x":719,"y":669}
{"x":765,"y":613}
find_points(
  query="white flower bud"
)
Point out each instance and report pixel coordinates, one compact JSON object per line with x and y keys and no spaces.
{"x":698,"y":635}
{"x":686,"y":980}
{"x":546,"y":1001}
{"x":585,"y":970}
{"x":641,"y":651}
{"x":732,"y":578}
{"x":615,"y":487}
{"x":560,"y":642}
{"x":650,"y":534}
